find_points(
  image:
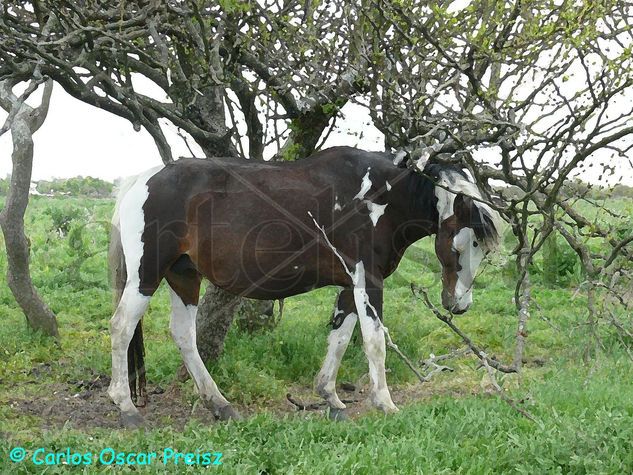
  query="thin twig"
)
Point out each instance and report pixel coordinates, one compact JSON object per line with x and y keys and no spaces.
{"x":394,"y":347}
{"x":390,"y":343}
{"x":488,"y":362}
{"x":416,"y":290}
{"x":313,"y":406}
{"x":501,"y":392}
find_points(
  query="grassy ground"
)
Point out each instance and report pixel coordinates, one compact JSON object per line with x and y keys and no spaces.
{"x":454,"y":424}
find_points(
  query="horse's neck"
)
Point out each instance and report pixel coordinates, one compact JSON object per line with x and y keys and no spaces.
{"x":413,"y":231}
{"x":415,"y":212}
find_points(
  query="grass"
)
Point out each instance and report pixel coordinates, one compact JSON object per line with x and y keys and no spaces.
{"x":452,"y":425}
{"x":581,"y":429}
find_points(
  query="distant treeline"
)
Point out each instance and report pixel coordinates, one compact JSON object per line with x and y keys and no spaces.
{"x":596,"y":192}
{"x":76,"y":186}
{"x":586,"y":190}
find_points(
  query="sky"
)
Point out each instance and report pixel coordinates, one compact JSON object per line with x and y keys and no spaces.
{"x":80,"y":140}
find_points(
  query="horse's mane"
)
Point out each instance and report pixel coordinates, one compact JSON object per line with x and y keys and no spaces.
{"x":421,"y":189}
{"x":484,"y":220}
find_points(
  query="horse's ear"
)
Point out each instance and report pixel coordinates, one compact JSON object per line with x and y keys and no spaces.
{"x":463,"y":208}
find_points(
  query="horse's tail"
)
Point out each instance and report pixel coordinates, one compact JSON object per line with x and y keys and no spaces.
{"x":118,"y":279}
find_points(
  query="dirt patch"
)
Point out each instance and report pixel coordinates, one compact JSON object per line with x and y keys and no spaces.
{"x":85,"y":404}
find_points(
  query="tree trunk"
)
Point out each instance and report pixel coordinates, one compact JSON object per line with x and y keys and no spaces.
{"x":255,"y":315}
{"x":216,"y":312}
{"x":24,"y":122}
{"x":305,"y":132}
{"x":217,"y":307}
{"x":215,"y":315}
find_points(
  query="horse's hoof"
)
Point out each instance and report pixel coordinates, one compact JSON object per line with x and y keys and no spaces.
{"x":227,"y":413}
{"x":141,"y":401}
{"x":382,"y":400}
{"x":336,"y":414}
{"x":132,"y":421}
{"x":392,"y":409}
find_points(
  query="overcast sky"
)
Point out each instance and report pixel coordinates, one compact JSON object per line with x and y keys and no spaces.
{"x":78,"y":139}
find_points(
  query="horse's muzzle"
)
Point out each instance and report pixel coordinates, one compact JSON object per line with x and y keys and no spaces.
{"x":454,"y":308}
{"x":457,"y":311}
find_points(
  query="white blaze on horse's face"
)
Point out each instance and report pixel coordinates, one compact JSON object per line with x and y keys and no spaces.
{"x":470,"y":256}
{"x":456,"y":244}
{"x":460,"y":256}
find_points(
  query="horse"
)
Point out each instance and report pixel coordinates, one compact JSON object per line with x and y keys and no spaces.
{"x":270,"y":230}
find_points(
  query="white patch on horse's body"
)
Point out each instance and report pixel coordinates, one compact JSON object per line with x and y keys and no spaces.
{"x":337,"y":205}
{"x":123,"y":188}
{"x":470,"y":256}
{"x":398,"y":157}
{"x":375,"y":211}
{"x":338,"y":340}
{"x":388,"y":185}
{"x":130,"y":221}
{"x":183,"y":331}
{"x":365,"y":186}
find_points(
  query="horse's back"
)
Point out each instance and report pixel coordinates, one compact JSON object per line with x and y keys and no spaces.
{"x":247,"y":225}
{"x":185,"y":180}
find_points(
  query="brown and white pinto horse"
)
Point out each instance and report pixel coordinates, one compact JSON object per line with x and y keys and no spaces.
{"x":271,"y":230}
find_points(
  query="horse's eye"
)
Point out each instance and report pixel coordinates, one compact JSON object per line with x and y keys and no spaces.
{"x":475,"y":244}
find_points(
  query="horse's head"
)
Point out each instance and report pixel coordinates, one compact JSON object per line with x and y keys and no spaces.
{"x":468,"y":229}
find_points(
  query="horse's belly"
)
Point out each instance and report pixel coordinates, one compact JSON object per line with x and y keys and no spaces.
{"x":261,"y":254}
{"x":268,"y":283}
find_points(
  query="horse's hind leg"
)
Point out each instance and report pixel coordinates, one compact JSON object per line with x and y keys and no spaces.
{"x":128,"y":313}
{"x":184,"y":294}
{"x":343,"y":323}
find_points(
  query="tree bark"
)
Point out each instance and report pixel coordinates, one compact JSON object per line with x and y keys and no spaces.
{"x":23,"y":122}
{"x":215,"y":315}
{"x":218,"y":308}
{"x":524,"y":309}
{"x":216,"y":312}
{"x":305,"y":132}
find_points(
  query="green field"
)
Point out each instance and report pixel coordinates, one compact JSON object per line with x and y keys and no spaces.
{"x":53,"y":397}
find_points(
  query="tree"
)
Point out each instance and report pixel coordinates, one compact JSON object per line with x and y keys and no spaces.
{"x":23,"y":121}
{"x":526,"y":94}
{"x":240,"y":78}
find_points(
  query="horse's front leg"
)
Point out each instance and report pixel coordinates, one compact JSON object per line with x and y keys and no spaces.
{"x":368,"y":299}
{"x":343,"y":322}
